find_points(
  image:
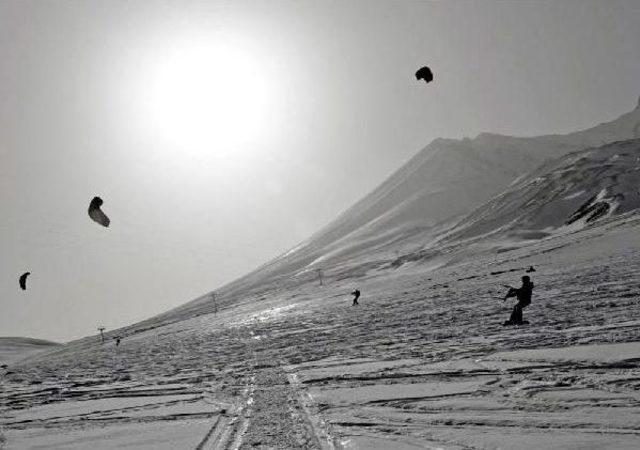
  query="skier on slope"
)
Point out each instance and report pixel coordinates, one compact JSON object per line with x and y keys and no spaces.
{"x":523,"y":294}
{"x":356,"y":296}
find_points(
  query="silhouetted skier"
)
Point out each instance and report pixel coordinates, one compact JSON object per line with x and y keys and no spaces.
{"x":356,"y":296}
{"x":523,"y":293}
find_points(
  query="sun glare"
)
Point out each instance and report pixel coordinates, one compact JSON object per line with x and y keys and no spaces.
{"x":207,"y":96}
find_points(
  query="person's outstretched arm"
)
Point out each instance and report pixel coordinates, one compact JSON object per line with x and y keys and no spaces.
{"x":512,"y":292}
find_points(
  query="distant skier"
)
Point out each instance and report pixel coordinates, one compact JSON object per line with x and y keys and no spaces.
{"x":530,"y":269}
{"x":356,"y":296}
{"x":523,"y":294}
{"x":118,"y":339}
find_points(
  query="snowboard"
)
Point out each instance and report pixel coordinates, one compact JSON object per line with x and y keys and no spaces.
{"x":509,"y":323}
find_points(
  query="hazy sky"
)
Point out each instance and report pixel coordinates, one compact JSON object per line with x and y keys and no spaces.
{"x":220,"y":134}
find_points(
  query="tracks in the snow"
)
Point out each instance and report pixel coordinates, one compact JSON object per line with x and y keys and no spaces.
{"x":320,"y":428}
{"x":228,"y":429}
{"x":278,"y":418}
{"x":275,"y":412}
{"x":218,"y":435}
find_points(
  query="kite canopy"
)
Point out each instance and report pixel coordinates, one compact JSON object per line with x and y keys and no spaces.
{"x":424,"y":73}
{"x":23,"y":280}
{"x":96,"y":213}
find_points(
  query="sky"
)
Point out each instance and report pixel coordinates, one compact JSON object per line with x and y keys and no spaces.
{"x":221,"y":134}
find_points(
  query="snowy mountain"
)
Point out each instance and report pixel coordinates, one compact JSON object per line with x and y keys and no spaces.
{"x":445,"y":181}
{"x":564,"y":194}
{"x":13,"y":349}
{"x":279,"y":360}
{"x":450,"y":177}
{"x":289,"y":363}
{"x":435,"y":200}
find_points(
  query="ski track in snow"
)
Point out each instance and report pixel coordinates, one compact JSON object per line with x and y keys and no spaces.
{"x":424,"y":362}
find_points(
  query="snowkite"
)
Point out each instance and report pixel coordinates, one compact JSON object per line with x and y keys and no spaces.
{"x":23,"y":280}
{"x":96,"y":213}
{"x":424,"y":73}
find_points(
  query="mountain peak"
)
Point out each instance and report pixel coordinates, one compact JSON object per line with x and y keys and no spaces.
{"x":446,"y":180}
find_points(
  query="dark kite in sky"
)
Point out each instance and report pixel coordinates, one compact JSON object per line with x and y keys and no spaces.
{"x":96,"y":213}
{"x":424,"y":73}
{"x":23,"y":280}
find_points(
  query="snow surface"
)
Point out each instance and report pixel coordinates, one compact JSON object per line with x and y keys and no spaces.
{"x":13,"y":349}
{"x":424,"y":362}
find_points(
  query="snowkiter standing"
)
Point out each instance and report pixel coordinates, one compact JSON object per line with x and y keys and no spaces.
{"x":523,"y":294}
{"x":356,"y":296}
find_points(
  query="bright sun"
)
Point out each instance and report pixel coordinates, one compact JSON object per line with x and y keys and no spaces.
{"x":207,"y":96}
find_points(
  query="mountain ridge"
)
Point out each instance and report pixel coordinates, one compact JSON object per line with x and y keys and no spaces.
{"x":448,"y":178}
{"x":571,"y":191}
{"x":411,"y":210}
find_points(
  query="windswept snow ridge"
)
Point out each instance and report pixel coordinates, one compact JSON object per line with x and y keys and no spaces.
{"x":445,"y":181}
{"x":576,"y":189}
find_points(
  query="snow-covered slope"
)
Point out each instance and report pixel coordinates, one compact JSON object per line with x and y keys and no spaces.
{"x":450,"y":177}
{"x":410,"y":212}
{"x":566,"y":193}
{"x":443,"y":182}
{"x":13,"y":349}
